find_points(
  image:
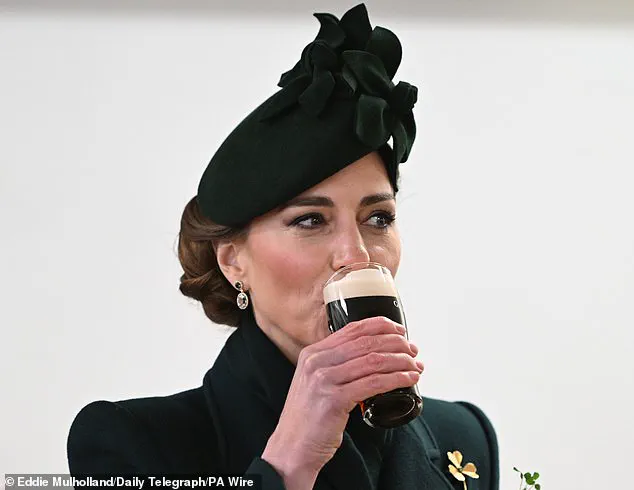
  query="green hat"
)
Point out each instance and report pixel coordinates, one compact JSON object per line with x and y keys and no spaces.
{"x":336,"y":105}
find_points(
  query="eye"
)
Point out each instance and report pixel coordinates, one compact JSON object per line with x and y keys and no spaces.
{"x":308,"y":221}
{"x":383,"y":219}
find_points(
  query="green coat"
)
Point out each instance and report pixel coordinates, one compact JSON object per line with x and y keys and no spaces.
{"x":224,"y":425}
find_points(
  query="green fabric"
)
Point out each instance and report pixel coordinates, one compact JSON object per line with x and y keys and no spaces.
{"x":336,"y":105}
{"x":383,"y":109}
{"x":252,"y":372}
{"x":224,"y":425}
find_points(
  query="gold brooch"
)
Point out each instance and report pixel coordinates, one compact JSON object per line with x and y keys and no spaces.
{"x":459,"y":471}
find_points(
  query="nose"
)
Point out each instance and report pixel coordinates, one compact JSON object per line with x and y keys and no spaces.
{"x":349,"y":248}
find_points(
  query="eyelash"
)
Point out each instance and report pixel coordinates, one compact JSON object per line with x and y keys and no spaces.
{"x":389,"y":218}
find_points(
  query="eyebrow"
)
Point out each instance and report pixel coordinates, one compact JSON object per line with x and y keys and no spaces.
{"x":327,"y":202}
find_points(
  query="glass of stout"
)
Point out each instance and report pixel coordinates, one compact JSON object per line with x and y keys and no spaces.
{"x":360,"y":291}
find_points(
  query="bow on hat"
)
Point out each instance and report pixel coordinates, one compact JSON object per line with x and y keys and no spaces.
{"x":384,"y":110}
{"x":349,"y":57}
{"x":317,"y":75}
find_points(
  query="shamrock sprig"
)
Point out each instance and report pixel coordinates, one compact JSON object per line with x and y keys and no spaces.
{"x":528,"y":481}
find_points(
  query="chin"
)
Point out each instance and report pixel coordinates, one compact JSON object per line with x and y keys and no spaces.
{"x":321,"y":330}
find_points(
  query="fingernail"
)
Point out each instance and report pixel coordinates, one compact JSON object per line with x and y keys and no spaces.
{"x":413,"y":348}
{"x":420,"y":366}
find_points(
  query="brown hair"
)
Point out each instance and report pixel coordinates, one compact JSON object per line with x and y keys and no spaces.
{"x":202,"y":279}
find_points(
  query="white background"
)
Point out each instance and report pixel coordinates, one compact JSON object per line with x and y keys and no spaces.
{"x":515,"y":211}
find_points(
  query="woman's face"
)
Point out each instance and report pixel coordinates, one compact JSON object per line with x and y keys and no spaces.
{"x":292,"y":251}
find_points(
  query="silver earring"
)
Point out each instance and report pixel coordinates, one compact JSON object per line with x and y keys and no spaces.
{"x":243,"y":299}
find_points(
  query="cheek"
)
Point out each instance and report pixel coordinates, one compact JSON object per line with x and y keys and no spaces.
{"x":387,"y":251}
{"x":281,"y":267}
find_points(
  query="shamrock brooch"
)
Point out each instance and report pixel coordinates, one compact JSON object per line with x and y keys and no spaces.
{"x":458,"y":471}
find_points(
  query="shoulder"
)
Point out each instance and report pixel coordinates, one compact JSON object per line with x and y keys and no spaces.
{"x":463,"y":426}
{"x":458,"y":420}
{"x":144,"y":435}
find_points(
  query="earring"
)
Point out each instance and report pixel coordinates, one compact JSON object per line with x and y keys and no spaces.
{"x":243,"y":299}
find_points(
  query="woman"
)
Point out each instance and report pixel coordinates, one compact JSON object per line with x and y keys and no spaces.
{"x":304,"y":186}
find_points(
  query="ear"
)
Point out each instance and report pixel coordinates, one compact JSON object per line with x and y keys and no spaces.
{"x":232,"y":262}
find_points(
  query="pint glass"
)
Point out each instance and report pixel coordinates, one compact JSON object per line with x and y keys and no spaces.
{"x":360,"y":291}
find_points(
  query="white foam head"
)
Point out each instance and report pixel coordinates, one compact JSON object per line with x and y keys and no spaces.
{"x":356,"y":284}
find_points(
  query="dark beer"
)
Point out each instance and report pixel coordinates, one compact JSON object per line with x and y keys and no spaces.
{"x":359,"y":298}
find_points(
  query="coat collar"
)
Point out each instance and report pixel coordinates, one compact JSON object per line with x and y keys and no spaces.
{"x":246,"y":390}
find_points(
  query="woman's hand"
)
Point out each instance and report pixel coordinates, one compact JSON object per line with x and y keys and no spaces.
{"x":361,"y":360}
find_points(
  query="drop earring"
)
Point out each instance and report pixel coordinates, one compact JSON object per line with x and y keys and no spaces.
{"x":242,"y":300}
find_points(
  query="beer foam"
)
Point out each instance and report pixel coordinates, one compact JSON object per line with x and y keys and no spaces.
{"x":357,"y":284}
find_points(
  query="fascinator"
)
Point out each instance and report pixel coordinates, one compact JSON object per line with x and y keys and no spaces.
{"x":336,"y":105}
